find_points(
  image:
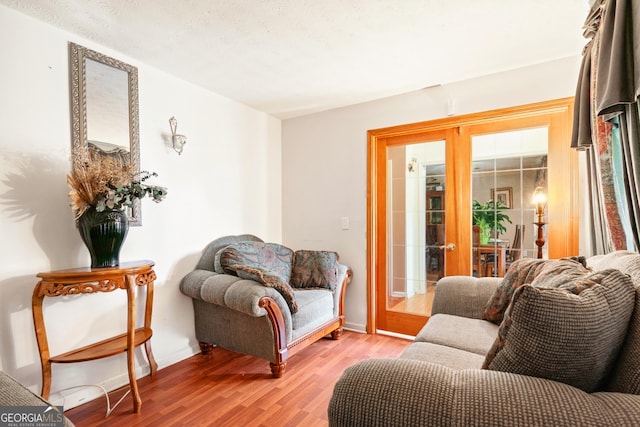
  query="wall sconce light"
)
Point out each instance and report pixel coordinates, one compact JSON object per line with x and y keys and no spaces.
{"x":413,"y":165}
{"x":177,"y":140}
{"x":540,"y":200}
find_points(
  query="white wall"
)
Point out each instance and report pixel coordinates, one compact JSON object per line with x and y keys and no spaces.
{"x":324,"y":158}
{"x":226,"y":181}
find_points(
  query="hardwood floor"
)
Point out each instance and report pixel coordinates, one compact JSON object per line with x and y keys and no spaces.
{"x":417,"y":304}
{"x":231,"y":389}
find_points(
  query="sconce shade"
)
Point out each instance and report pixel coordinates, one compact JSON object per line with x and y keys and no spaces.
{"x":178,"y":143}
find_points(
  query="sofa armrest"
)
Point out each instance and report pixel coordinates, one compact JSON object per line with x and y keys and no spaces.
{"x":391,"y":392}
{"x":463,"y":295}
{"x":12,"y":393}
{"x":403,"y":392}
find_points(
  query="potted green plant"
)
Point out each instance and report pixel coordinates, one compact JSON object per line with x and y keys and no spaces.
{"x":489,"y":217}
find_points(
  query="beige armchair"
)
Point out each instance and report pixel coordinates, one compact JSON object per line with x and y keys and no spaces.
{"x":245,"y":309}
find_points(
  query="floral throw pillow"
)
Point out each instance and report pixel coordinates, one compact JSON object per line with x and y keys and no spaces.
{"x":526,"y":271}
{"x":269,"y":279}
{"x":558,"y":273}
{"x":315,"y":269}
{"x":272,"y":257}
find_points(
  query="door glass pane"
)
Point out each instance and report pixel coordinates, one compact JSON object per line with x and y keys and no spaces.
{"x":416,"y":215}
{"x":506,"y":169}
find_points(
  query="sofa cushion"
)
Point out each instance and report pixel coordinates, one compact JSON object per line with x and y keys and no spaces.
{"x":472,"y":335}
{"x":272,"y":257}
{"x":525,"y":271}
{"x":555,"y":334}
{"x":270,"y":279}
{"x":450,"y":357}
{"x":625,"y":377}
{"x":315,"y":269}
{"x":315,"y":307}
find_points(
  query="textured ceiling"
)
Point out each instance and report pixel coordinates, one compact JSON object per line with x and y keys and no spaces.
{"x":295,"y":57}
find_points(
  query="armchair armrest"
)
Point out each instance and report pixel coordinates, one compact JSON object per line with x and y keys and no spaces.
{"x":232,"y":292}
{"x":403,"y":392}
{"x":344,"y":278}
{"x":463,"y":295}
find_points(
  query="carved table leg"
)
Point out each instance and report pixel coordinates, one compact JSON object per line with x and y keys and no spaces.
{"x":153,"y":365}
{"x":41,"y":337}
{"x":46,"y":379}
{"x":131,"y":325}
{"x":206,"y":348}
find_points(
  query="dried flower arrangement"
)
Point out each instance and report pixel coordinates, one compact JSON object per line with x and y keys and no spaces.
{"x":108,"y":182}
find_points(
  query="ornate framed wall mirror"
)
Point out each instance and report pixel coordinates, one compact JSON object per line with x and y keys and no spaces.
{"x":104,"y":110}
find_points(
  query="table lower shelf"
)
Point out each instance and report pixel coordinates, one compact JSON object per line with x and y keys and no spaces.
{"x":106,"y":348}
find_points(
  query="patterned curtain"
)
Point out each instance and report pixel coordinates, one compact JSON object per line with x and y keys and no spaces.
{"x":606,"y":122}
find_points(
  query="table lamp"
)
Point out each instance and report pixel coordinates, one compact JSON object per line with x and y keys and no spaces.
{"x":540,"y":200}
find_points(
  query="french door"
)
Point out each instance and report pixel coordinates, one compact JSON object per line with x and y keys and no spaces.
{"x":423,"y":181}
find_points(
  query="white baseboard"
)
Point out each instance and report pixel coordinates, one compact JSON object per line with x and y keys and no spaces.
{"x":355,"y":327}
{"x":396,"y":335}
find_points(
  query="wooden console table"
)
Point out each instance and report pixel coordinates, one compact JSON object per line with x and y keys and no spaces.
{"x":91,"y":280}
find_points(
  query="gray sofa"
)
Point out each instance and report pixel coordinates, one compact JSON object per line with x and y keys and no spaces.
{"x":241,"y":304}
{"x":439,"y":379}
{"x":14,"y":394}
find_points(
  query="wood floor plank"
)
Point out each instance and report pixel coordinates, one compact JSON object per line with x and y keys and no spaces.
{"x":231,"y":389}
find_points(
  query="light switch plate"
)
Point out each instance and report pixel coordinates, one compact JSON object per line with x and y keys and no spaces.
{"x":345,"y":222}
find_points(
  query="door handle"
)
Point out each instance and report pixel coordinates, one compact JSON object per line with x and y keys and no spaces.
{"x":449,"y":247}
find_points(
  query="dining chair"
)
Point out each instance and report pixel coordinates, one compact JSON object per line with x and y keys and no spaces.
{"x":478,"y":267}
{"x":513,"y":253}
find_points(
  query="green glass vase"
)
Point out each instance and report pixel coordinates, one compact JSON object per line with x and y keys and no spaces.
{"x":103,"y":233}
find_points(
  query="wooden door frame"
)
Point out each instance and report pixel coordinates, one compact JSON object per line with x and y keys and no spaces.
{"x":563,"y":167}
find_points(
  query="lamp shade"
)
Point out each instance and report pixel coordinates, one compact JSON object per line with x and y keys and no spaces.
{"x":539,"y":197}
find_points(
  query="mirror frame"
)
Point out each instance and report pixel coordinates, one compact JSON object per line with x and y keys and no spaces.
{"x":78,"y":85}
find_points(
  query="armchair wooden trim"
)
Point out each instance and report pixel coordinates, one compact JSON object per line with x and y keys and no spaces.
{"x":284,"y":350}
{"x":276,"y":321}
{"x":279,"y":335}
